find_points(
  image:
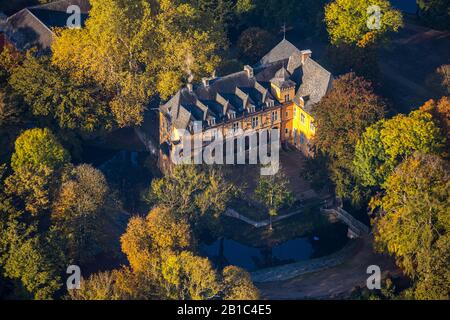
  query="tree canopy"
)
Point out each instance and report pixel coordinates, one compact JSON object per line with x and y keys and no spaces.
{"x":273,"y":192}
{"x":135,"y":50}
{"x":387,"y":142}
{"x":348,"y":21}
{"x":341,"y":117}
{"x":81,"y":211}
{"x":192,"y":192}
{"x":38,"y":147}
{"x":72,"y":103}
{"x":414,"y":222}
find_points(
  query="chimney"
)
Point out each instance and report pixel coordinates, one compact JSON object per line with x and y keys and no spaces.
{"x":189,"y":87}
{"x":249,"y":71}
{"x":306,"y":54}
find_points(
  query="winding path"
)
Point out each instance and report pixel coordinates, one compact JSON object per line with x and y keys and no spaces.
{"x":337,"y":281}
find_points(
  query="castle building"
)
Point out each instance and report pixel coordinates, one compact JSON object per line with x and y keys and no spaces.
{"x":277,"y":93}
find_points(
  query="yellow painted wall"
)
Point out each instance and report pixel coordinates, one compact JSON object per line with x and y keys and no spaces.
{"x":300,"y":126}
{"x":281,"y":94}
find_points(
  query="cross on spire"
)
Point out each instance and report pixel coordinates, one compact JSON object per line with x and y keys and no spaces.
{"x":284,"y":31}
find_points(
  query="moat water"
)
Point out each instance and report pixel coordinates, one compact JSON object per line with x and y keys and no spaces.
{"x":223,"y":252}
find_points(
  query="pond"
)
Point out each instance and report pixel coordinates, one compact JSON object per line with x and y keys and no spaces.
{"x":223,"y":252}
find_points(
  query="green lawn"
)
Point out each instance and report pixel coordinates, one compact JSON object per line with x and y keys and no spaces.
{"x":303,"y":224}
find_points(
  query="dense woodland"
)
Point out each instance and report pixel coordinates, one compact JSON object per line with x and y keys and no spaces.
{"x":56,"y":210}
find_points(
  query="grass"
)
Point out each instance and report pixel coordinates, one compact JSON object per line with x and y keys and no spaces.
{"x":300,"y":225}
{"x":250,"y":210}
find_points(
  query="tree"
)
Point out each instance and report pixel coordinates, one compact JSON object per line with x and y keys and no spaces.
{"x":435,"y":13}
{"x":82,"y":211}
{"x":34,"y":185}
{"x":37,"y":162}
{"x":192,"y":192}
{"x":120,"y":284}
{"x":52,"y":93}
{"x":146,"y":240}
{"x":341,"y":117}
{"x":189,"y":277}
{"x":439,"y":80}
{"x":414,"y":221}
{"x":273,"y":191}
{"x":38,"y":147}
{"x":139,"y":48}
{"x":27,"y":256}
{"x":387,"y":142}
{"x":254,"y":43}
{"x":237,"y":284}
{"x":156,"y":249}
{"x":440,"y":111}
{"x":348,"y":21}
{"x":9,"y":112}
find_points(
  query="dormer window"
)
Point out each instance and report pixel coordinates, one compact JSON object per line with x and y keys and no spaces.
{"x":251,"y":109}
{"x":212,"y":121}
{"x":197,"y":126}
{"x":270,"y":103}
{"x":232,"y":115}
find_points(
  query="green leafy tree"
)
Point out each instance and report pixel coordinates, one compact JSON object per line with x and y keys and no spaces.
{"x":192,"y":192}
{"x":341,"y":117}
{"x":414,"y":221}
{"x":386,"y":143}
{"x":37,"y":147}
{"x":27,"y":256}
{"x":37,"y":162}
{"x":273,"y":191}
{"x":348,"y":21}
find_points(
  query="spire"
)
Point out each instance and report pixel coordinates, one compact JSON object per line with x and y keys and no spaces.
{"x":284,"y":31}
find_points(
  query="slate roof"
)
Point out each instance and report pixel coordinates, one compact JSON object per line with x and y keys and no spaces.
{"x":239,"y":93}
{"x":281,"y":51}
{"x":315,"y":83}
{"x":33,"y":26}
{"x":232,"y":94}
{"x":282,"y":79}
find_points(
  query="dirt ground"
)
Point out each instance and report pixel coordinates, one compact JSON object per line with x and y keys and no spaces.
{"x":414,"y":53}
{"x":331,"y":283}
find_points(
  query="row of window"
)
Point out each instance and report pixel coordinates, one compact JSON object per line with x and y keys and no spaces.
{"x":255,"y":120}
{"x":303,"y":119}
